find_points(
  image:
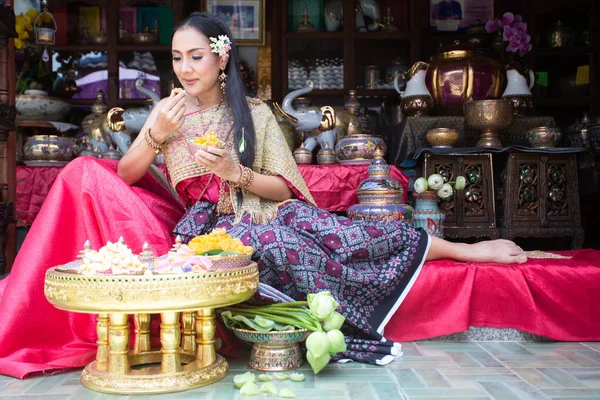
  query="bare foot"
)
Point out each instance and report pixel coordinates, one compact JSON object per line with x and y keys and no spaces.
{"x":497,"y":251}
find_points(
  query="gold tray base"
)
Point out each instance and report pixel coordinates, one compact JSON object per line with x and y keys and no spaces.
{"x":151,"y":380}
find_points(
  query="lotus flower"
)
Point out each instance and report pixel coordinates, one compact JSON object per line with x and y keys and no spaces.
{"x":460,"y":183}
{"x":335,"y":321}
{"x":322,"y":305}
{"x":445,"y":191}
{"x":435,"y":181}
{"x":421,"y":185}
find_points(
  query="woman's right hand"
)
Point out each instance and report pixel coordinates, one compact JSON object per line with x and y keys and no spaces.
{"x":170,"y":117}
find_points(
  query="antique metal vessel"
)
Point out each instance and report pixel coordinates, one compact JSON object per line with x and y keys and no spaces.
{"x":577,"y":134}
{"x":442,"y":137}
{"x":37,"y":105}
{"x":302,"y":155}
{"x":326,"y":155}
{"x":275,"y":350}
{"x":50,"y":148}
{"x":380,"y":196}
{"x":489,"y":117}
{"x":358,"y":148}
{"x":544,"y":136}
{"x":460,"y":72}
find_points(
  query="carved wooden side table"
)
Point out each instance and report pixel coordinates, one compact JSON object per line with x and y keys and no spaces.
{"x":187,"y":357}
{"x":541,"y":197}
{"x":472,"y":214}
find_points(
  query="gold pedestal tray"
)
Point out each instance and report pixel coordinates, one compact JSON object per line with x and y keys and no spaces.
{"x":275,"y":350}
{"x":186,"y":303}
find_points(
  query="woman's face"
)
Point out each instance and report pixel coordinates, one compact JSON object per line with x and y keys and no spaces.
{"x":194,"y":63}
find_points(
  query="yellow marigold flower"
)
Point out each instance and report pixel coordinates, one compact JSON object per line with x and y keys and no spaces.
{"x":19,"y":43}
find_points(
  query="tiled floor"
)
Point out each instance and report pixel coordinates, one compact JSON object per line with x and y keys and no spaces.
{"x":428,"y":370}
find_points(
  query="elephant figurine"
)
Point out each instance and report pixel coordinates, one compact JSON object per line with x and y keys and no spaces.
{"x":95,"y":127}
{"x":318,"y":123}
{"x":124,"y":123}
{"x":368,"y":16}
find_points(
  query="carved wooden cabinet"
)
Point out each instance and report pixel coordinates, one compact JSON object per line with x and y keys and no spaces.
{"x":541,"y":197}
{"x":510,"y":195}
{"x":472,"y":212}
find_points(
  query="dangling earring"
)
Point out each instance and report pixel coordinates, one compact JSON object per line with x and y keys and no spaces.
{"x":223,"y":80}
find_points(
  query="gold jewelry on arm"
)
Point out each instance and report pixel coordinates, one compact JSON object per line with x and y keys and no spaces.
{"x":245,"y":179}
{"x":150,"y":142}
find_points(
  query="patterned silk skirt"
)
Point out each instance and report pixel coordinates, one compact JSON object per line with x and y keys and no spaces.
{"x":368,"y":267}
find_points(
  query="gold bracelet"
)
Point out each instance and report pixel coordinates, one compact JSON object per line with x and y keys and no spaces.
{"x":150,"y":142}
{"x":245,"y":179}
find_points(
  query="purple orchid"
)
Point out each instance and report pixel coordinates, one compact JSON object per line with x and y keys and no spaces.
{"x":514,"y":31}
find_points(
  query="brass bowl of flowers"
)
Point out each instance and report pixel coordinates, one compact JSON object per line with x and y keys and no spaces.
{"x":274,"y":350}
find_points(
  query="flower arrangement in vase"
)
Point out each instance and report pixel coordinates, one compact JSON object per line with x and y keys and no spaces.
{"x":428,"y":191}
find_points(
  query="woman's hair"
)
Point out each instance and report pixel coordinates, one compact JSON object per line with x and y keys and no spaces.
{"x":235,"y":91}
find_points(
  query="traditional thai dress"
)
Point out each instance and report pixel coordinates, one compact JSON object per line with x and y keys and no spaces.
{"x":368,"y":267}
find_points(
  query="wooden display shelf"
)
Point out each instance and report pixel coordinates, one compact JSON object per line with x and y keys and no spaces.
{"x":144,"y":47}
{"x":80,"y":48}
{"x":315,"y":35}
{"x":382,"y":35}
{"x":32,"y":123}
{"x":563,"y":51}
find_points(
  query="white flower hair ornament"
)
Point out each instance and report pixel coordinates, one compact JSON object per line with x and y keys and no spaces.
{"x":221,"y":46}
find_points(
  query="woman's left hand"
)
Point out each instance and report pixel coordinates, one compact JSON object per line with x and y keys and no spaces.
{"x":220,"y":162}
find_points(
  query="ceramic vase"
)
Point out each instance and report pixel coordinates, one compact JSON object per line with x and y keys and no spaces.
{"x":427,"y":214}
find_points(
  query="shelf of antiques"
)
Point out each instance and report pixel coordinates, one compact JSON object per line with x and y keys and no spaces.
{"x":514,"y":192}
{"x":185,"y":298}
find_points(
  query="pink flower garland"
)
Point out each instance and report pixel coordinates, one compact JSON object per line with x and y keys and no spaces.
{"x":514,"y":32}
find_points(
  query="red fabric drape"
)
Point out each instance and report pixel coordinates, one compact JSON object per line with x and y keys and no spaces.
{"x":85,"y":202}
{"x":556,"y":298}
{"x":332,"y":186}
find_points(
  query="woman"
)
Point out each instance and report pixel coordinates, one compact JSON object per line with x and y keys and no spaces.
{"x":252,"y":188}
{"x":248,"y":189}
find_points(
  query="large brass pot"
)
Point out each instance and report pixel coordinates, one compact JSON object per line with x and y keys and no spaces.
{"x":460,"y":72}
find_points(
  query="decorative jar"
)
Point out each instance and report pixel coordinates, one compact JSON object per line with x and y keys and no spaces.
{"x":428,"y":215}
{"x":460,"y":72}
{"x":380,"y":196}
{"x":544,"y":136}
{"x":577,"y":135}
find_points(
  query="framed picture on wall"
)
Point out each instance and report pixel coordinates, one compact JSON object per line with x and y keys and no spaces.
{"x":458,"y":15}
{"x":245,"y":19}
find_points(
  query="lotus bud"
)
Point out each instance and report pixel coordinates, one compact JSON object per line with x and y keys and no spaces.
{"x":334,"y":322}
{"x":250,"y":389}
{"x":322,"y":305}
{"x":445,"y":191}
{"x":337,"y":344}
{"x":265,"y":378}
{"x":421,"y":185}
{"x":460,"y":183}
{"x":317,"y":363}
{"x":317,"y":343}
{"x":435,"y":181}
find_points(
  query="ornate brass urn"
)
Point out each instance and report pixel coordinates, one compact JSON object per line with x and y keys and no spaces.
{"x":460,"y":72}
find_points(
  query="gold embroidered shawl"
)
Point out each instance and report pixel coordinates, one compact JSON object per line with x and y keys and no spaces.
{"x":272,"y":157}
